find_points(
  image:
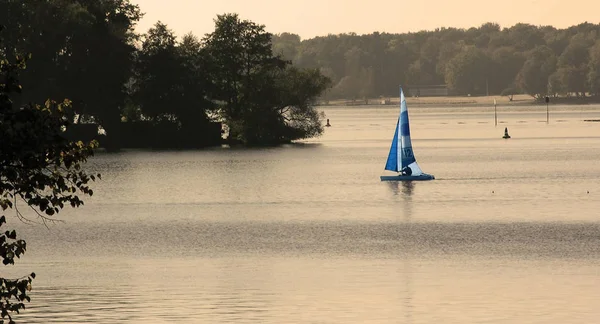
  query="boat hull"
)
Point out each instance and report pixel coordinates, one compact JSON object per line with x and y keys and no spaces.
{"x":421,"y":177}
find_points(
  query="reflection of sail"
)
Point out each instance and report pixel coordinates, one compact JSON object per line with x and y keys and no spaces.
{"x":407,"y":188}
{"x":407,"y":299}
{"x":406,"y":271}
{"x":394,"y":186}
{"x":406,"y":193}
{"x":406,"y":295}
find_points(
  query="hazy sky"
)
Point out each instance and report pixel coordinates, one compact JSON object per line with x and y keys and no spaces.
{"x":310,"y":18}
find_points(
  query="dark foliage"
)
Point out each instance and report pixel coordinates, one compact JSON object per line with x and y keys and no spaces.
{"x":40,"y":172}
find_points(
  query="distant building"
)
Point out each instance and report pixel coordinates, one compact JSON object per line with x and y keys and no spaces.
{"x":384,"y":101}
{"x":427,"y":90}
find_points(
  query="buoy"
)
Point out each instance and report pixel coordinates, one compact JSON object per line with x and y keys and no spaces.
{"x":506,"y":133}
{"x":328,"y":124}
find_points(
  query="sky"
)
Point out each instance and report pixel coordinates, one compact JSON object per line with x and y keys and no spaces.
{"x":310,"y":18}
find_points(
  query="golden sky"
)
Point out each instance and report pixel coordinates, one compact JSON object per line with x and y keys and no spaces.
{"x":310,"y":18}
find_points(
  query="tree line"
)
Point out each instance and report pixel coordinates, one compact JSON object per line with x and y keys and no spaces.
{"x":88,"y":51}
{"x":535,"y":60}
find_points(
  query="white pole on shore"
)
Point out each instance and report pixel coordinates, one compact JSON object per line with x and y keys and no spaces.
{"x":495,"y":114}
{"x":547,"y":99}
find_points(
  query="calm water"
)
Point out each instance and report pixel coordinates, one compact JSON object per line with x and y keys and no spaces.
{"x":509,"y":231}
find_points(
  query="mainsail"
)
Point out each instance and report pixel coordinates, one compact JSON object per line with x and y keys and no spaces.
{"x":401,"y":152}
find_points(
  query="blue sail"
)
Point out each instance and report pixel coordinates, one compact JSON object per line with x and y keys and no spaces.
{"x":392,"y":161}
{"x":401,"y":153}
{"x":407,"y":155}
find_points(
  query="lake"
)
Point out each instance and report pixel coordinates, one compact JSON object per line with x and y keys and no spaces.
{"x":508,"y":232}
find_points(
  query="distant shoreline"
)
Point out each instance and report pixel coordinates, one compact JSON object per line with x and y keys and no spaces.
{"x":463,"y":101}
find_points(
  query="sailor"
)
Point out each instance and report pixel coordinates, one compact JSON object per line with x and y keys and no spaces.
{"x":406,"y":171}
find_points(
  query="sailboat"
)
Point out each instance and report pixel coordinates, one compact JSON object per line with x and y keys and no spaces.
{"x":401,"y":158}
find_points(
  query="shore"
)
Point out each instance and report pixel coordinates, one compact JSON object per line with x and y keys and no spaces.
{"x":460,"y":102}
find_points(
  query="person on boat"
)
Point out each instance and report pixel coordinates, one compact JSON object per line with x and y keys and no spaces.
{"x":406,"y":171}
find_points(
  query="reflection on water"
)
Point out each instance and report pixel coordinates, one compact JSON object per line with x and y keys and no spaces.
{"x":408,"y":293}
{"x":508,"y":233}
{"x":404,"y":187}
{"x":407,"y":188}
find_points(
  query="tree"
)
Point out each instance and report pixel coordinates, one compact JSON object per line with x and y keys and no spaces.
{"x":429,"y":53}
{"x":534,"y":76}
{"x":468,"y":72}
{"x":557,"y":40}
{"x":509,"y":92}
{"x":171,"y":80}
{"x":39,"y":171}
{"x":286,"y":45}
{"x":240,"y":53}
{"x":506,"y":64}
{"x":354,"y":58}
{"x":358,"y":80}
{"x":196,"y":82}
{"x":158,"y":71}
{"x":252,"y":85}
{"x":348,"y":88}
{"x":397,"y":60}
{"x":593,"y":75}
{"x":558,"y":82}
{"x":417,"y":74}
{"x":83,"y":50}
{"x":573,"y":65}
{"x":298,"y":91}
{"x":447,"y":52}
{"x":289,"y":113}
{"x":525,"y":36}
